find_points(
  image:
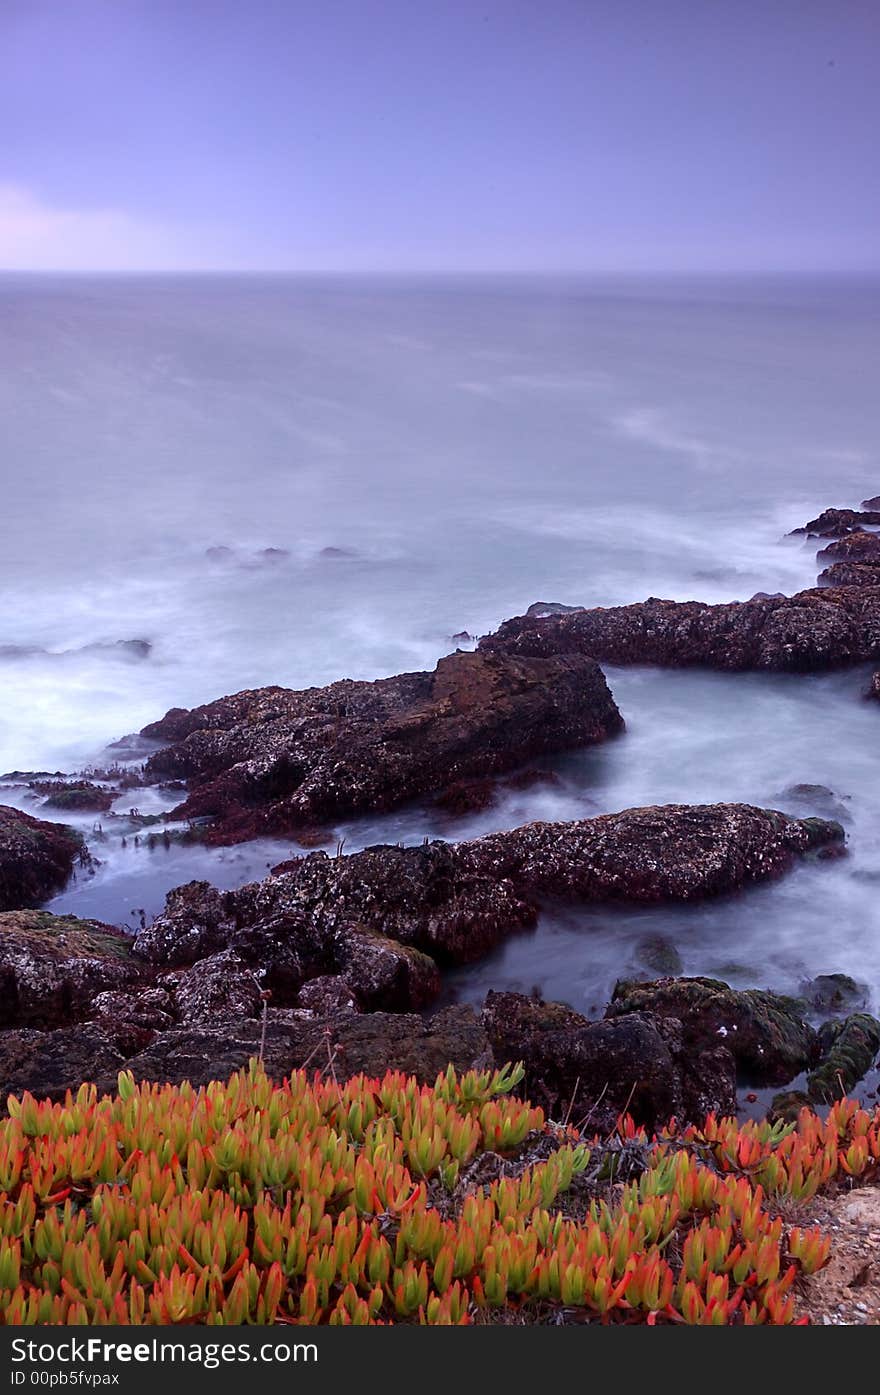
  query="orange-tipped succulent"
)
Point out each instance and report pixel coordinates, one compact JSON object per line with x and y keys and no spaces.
{"x":309,"y":1201}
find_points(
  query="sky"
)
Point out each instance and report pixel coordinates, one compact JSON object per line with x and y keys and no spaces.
{"x":439,"y":135}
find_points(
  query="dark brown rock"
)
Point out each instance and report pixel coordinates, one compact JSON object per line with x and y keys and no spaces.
{"x":589,"y":1073}
{"x":850,"y":574}
{"x":383,"y":974}
{"x":272,"y":760}
{"x":220,"y":985}
{"x":327,"y":996}
{"x":36,"y":858}
{"x":765,"y":1032}
{"x":456,"y":901}
{"x":51,"y":967}
{"x":372,"y":1042}
{"x":836,"y":523}
{"x":853,"y":547}
{"x":812,"y":631}
{"x":50,"y":1063}
{"x":131,"y":1018}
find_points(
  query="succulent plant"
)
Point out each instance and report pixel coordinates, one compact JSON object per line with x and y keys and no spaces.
{"x":309,"y":1201}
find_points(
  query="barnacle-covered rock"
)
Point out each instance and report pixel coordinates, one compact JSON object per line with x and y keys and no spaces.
{"x":51,"y":967}
{"x":635,"y":1062}
{"x":812,"y":631}
{"x":455,"y":902}
{"x":835,"y":523}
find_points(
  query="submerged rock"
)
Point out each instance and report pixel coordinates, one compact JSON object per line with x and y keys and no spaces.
{"x":834,"y":993}
{"x":765,"y":1032}
{"x":658,"y":953}
{"x":813,"y":631}
{"x":273,"y":760}
{"x":51,"y":967}
{"x":80,"y":796}
{"x":874,"y":687}
{"x":36,"y":858}
{"x":457,"y":901}
{"x":849,"y":1049}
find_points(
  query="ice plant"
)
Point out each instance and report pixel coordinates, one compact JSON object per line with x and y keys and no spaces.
{"x":309,"y":1201}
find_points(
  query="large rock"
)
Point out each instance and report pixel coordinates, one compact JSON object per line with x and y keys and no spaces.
{"x":581,"y":1070}
{"x":36,"y":858}
{"x":51,"y":967}
{"x":850,"y":574}
{"x":835,"y":523}
{"x":50,"y":1063}
{"x":812,"y":631}
{"x":852,"y":547}
{"x":274,"y":760}
{"x":456,"y":901}
{"x":384,"y":975}
{"x":765,"y":1032}
{"x":849,"y":1049}
{"x":350,"y":1043}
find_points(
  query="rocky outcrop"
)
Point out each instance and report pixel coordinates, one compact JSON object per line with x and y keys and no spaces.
{"x":593,"y":1071}
{"x":850,"y":574}
{"x":456,"y":901}
{"x":813,"y":631}
{"x":871,"y":503}
{"x":219,"y":986}
{"x":874,"y":687}
{"x":50,"y":1063}
{"x":273,"y":760}
{"x":853,"y":547}
{"x":51,"y":967}
{"x":36,"y":858}
{"x":347,"y":1044}
{"x":835,"y":523}
{"x":765,"y":1032}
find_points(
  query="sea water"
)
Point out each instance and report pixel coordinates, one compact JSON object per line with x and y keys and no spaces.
{"x":292,"y":480}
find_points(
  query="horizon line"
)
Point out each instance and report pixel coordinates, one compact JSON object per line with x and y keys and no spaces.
{"x":439,"y":271}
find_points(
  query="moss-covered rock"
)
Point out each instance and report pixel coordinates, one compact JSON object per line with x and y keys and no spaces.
{"x":849,"y":1049}
{"x":36,"y":858}
{"x":51,"y":967}
{"x":766,"y":1032}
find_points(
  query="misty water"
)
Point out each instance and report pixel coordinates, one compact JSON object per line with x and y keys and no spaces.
{"x":272,"y":480}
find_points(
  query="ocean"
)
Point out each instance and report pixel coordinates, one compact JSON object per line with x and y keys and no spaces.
{"x":292,"y":480}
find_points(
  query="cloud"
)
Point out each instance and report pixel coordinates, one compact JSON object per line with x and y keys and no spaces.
{"x":39,"y":236}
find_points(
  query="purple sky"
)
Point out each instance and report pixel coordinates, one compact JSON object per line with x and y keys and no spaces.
{"x":440,"y":134}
